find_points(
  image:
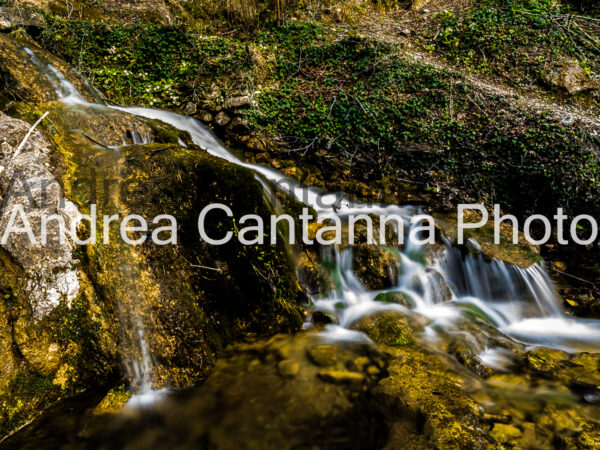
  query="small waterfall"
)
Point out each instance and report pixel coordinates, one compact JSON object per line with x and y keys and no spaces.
{"x":521,"y":302}
{"x":137,"y":359}
{"x":64,"y":89}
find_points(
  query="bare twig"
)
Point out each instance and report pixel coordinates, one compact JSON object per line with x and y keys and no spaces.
{"x":197,"y":266}
{"x":162,"y":149}
{"x":24,"y":141}
{"x":96,"y":142}
{"x":572,"y":276}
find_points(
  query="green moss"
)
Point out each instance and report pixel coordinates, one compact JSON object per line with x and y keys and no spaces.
{"x":389,"y":328}
{"x":357,"y":99}
{"x":395,"y":297}
{"x":114,"y":400}
{"x":402,"y":338}
{"x":28,"y":394}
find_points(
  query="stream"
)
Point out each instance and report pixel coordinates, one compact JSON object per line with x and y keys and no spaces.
{"x":440,"y":288}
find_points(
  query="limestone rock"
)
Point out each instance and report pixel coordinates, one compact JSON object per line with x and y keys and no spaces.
{"x":222,"y":119}
{"x":237,"y":102}
{"x":570,"y":77}
{"x":11,"y":17}
{"x":30,"y":188}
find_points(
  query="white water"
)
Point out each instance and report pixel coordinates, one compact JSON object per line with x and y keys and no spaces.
{"x":520,"y":302}
{"x":138,"y":360}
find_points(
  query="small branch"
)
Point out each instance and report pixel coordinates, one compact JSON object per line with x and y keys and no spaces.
{"x":572,"y":276}
{"x":196,"y":266}
{"x":24,"y":141}
{"x":162,"y":149}
{"x":96,"y":142}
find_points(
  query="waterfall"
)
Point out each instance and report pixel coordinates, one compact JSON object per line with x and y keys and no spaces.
{"x":520,"y":302}
{"x":132,"y":309}
{"x":63,"y":88}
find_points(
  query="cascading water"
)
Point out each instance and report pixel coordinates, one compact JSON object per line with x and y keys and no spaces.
{"x":519,"y":302}
{"x":137,"y":358}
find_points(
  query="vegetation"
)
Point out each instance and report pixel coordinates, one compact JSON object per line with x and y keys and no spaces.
{"x":358,"y":99}
{"x":516,"y":39}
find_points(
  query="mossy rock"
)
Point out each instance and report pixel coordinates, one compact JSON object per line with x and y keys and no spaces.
{"x":25,"y":81}
{"x":390,"y":327}
{"x":272,"y":395}
{"x":314,"y":277}
{"x":427,"y":391}
{"x":114,"y":400}
{"x":398,"y":298}
{"x":375,"y":267}
{"x":522,"y":255}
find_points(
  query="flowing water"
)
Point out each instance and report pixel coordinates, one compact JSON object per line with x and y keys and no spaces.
{"x":521,"y":303}
{"x":106,"y":162}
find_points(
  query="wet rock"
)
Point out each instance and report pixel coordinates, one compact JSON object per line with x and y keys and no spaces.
{"x":376,"y":267}
{"x":322,"y":317}
{"x":391,"y":328}
{"x":481,"y":240}
{"x":313,"y":276}
{"x":341,"y":377}
{"x":505,"y":433}
{"x":247,"y":393}
{"x":581,"y":304}
{"x":440,"y":289}
{"x":398,"y":298}
{"x":26,"y":81}
{"x":114,"y":400}
{"x":425,"y":390}
{"x":544,"y":360}
{"x":324,"y":355}
{"x":222,"y":119}
{"x":288,"y":368}
{"x":570,"y":77}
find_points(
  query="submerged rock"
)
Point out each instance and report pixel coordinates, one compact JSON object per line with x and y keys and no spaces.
{"x":263,"y":395}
